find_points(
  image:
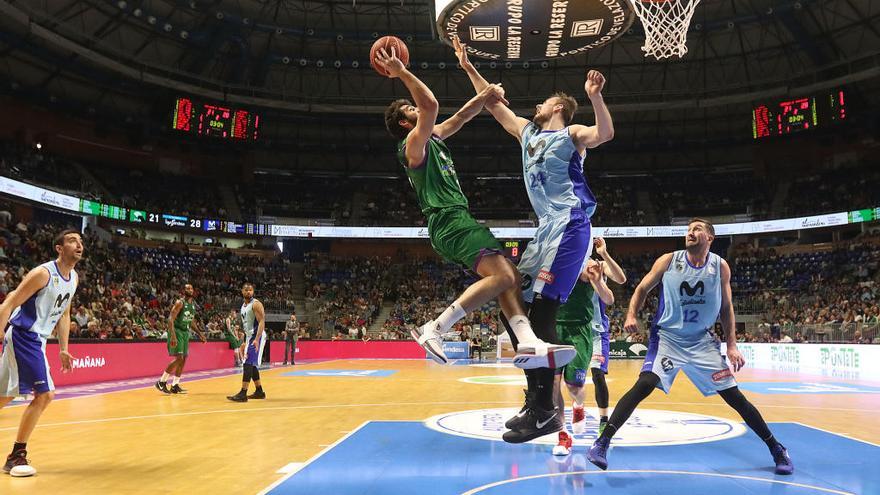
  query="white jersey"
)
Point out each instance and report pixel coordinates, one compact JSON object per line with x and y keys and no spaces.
{"x":41,"y":312}
{"x":248,"y":319}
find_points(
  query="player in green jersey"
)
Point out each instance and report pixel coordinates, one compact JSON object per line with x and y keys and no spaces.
{"x":183,"y":313}
{"x":454,"y":233}
{"x":582,"y":322}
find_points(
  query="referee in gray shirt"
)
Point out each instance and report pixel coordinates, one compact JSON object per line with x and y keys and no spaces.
{"x":291,"y":333}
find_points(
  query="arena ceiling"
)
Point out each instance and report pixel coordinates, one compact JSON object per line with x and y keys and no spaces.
{"x":301,"y":57}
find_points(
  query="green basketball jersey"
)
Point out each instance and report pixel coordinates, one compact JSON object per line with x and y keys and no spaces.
{"x":185,"y":316}
{"x":435,"y":181}
{"x":579,"y":307}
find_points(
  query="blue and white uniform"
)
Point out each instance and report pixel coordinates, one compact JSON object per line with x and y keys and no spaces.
{"x":600,"y":325}
{"x":249,"y":325}
{"x":553,"y":171}
{"x":24,"y":368}
{"x":681,"y":336}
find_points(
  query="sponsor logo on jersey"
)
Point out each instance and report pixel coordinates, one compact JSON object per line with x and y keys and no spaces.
{"x":666,"y":363}
{"x":719,"y":376}
{"x":691,"y":291}
{"x":646,"y":427}
{"x":546,"y":276}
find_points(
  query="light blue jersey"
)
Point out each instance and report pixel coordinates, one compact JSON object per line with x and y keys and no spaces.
{"x":690,"y":298}
{"x":41,"y":312}
{"x":600,"y":322}
{"x":553,"y":171}
{"x":248,"y":319}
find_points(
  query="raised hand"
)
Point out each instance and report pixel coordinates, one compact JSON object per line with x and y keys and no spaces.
{"x":595,"y":83}
{"x":599,"y":243}
{"x":389,"y":61}
{"x":494,"y":92}
{"x":461,"y":52}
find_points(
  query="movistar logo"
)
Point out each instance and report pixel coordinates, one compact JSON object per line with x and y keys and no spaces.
{"x":62,"y":300}
{"x":691,"y":291}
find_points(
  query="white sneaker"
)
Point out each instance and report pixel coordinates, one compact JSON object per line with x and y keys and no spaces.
{"x":429,"y":339}
{"x":564,"y":446}
{"x":540,"y":354}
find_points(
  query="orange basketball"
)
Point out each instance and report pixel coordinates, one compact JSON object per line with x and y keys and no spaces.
{"x":388,"y":42}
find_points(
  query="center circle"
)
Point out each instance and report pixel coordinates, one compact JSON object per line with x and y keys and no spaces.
{"x":646,"y":427}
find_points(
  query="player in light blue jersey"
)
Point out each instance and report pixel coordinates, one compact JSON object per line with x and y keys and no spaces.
{"x":695,"y":292}
{"x":553,"y":151}
{"x":37,"y":307}
{"x":253,"y":323}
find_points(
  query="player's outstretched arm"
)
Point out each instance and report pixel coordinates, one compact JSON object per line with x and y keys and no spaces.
{"x":645,"y":286}
{"x":471,"y":109}
{"x":32,"y":283}
{"x":612,"y":269}
{"x":603,"y":131}
{"x":504,"y":115}
{"x":424,"y":100}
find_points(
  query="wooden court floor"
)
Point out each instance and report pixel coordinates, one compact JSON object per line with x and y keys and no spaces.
{"x":142,"y":442}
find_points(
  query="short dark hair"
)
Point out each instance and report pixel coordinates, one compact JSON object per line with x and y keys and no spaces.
{"x":59,"y":239}
{"x":393,"y":115}
{"x":708,"y":224}
{"x":247,"y":284}
{"x":569,"y":105}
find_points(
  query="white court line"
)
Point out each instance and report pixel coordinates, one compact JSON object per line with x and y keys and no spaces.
{"x":832,"y":433}
{"x":723,"y":404}
{"x":290,"y":468}
{"x":315,"y":457}
{"x":242,"y":410}
{"x":651,"y":471}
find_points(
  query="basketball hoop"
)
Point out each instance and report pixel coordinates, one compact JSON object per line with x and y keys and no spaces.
{"x":666,"y":25}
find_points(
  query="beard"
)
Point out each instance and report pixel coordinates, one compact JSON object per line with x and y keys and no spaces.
{"x":539,"y":120}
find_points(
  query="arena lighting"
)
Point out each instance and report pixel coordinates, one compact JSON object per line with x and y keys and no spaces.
{"x":151,"y":19}
{"x":39,"y":146}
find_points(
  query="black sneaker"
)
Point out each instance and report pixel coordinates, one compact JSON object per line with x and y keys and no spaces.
{"x":175,"y":389}
{"x":162,"y":387}
{"x":536,"y":423}
{"x":239,"y":397}
{"x":17,"y":464}
{"x":514,"y":423}
{"x":257,"y":395}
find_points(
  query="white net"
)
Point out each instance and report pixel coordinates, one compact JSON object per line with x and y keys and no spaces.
{"x":666,"y":25}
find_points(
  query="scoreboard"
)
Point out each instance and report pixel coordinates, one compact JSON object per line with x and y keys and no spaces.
{"x":215,"y":120}
{"x":513,"y":250}
{"x":157,"y":219}
{"x":798,"y":114}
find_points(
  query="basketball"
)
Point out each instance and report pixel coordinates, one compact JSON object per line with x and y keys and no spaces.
{"x":388,"y":42}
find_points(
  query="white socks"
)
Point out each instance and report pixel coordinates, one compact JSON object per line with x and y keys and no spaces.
{"x":176,"y":381}
{"x":522,"y":329}
{"x":448,"y":317}
{"x":165,"y":377}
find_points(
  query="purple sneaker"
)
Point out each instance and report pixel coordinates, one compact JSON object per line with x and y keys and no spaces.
{"x":782,"y":460}
{"x":598,"y":453}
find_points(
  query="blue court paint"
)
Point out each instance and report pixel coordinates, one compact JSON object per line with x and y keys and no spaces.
{"x":808,"y":388}
{"x":345,"y":373}
{"x":397,"y":458}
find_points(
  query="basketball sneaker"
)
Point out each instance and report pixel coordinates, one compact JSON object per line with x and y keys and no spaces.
{"x":564,"y":445}
{"x":257,"y":395}
{"x":578,"y":419}
{"x":176,"y":389}
{"x":540,"y":354}
{"x":428,"y":336}
{"x":239,"y":397}
{"x":17,"y":465}
{"x":536,"y":423}
{"x":162,"y":387}
{"x":783,"y":462}
{"x":598,"y":453}
{"x":512,"y":423}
